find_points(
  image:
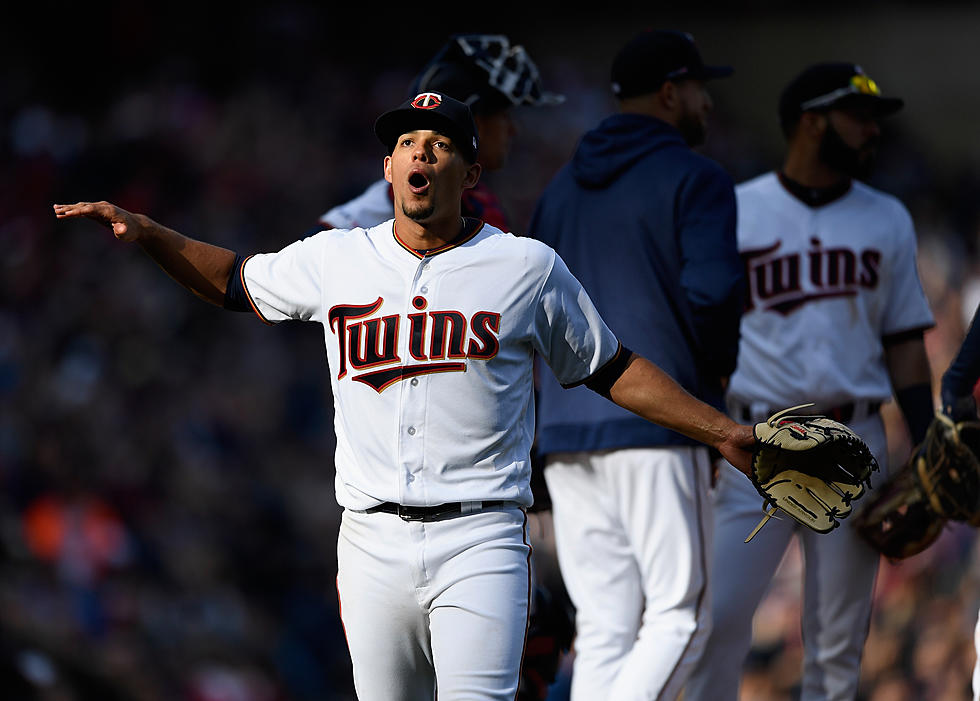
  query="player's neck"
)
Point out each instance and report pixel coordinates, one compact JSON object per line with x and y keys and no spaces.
{"x":430,"y":234}
{"x":809,"y":171}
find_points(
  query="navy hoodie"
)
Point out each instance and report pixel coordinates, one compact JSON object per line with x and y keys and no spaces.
{"x":648,"y":227}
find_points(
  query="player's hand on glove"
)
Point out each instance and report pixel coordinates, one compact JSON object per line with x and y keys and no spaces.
{"x":809,"y":467}
{"x":125,"y":226}
{"x":738,"y":448}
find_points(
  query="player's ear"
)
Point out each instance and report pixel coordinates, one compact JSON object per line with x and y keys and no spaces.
{"x":813,"y":124}
{"x":667,"y":95}
{"x":472,"y":176}
{"x":387,"y":168}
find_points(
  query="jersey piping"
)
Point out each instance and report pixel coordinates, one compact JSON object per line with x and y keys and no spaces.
{"x":248,"y":295}
{"x":455,"y":243}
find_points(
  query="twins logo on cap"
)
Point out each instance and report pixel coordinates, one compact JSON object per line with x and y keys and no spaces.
{"x":430,"y":110}
{"x":427,"y":100}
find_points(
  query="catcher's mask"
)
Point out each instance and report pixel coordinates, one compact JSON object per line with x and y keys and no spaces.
{"x":485,"y":72}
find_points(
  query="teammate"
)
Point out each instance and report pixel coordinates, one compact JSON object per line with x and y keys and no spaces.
{"x":836,"y":313}
{"x":431,"y":323}
{"x":648,"y":226}
{"x":958,"y":394}
{"x":959,"y":382}
{"x":492,"y":77}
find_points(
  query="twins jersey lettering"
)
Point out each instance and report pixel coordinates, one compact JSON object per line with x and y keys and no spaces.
{"x":430,"y":355}
{"x":855,"y":255}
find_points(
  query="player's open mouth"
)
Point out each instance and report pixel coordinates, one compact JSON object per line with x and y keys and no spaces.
{"x":418,"y":182}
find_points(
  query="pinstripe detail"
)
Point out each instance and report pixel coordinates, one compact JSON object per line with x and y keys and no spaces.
{"x":527,"y":618}
{"x":698,"y":509}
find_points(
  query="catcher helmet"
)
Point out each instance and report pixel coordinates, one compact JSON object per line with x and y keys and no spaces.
{"x":486,"y":73}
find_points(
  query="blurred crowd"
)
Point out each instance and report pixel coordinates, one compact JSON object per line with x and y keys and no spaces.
{"x":167,"y":518}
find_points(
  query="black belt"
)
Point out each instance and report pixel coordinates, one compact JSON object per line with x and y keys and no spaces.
{"x":430,"y":513}
{"x":843,"y":413}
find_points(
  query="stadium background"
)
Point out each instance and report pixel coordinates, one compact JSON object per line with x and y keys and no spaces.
{"x":167,"y":519}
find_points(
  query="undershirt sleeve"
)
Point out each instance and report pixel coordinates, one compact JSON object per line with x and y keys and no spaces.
{"x":236,"y":299}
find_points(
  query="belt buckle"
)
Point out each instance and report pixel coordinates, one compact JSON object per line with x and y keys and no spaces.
{"x":406,"y":515}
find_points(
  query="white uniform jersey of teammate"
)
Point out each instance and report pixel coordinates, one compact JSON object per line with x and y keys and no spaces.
{"x":430,"y":359}
{"x":371,"y":207}
{"x":826,"y":284}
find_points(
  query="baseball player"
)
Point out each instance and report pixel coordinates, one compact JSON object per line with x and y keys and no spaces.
{"x":431,"y":322}
{"x":648,"y":226}
{"x":835,"y":313}
{"x":958,"y":394}
{"x":492,"y":76}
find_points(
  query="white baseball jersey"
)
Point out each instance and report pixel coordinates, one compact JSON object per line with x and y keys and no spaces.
{"x":431,"y":356}
{"x":825,"y":284}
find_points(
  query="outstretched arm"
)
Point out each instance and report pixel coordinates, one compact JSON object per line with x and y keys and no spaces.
{"x":648,"y":391}
{"x":200,"y":267}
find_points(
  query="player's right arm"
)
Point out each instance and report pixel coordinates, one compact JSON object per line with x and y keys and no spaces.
{"x":202,"y":268}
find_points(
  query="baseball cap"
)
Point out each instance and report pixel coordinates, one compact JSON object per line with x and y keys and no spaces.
{"x":430,"y":110}
{"x":485,"y":72}
{"x":654,"y":56}
{"x":832,"y":84}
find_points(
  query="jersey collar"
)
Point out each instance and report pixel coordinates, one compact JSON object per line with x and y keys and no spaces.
{"x":471,"y":227}
{"x":814,"y":196}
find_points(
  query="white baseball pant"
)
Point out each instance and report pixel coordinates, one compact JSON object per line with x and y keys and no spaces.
{"x":432,"y":604}
{"x":631,"y":530}
{"x":839,"y":574}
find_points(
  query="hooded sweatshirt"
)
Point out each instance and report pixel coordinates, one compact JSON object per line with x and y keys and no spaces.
{"x":648,"y":227}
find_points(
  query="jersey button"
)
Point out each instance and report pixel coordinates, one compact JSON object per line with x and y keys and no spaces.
{"x":415,"y":382}
{"x":424,"y":289}
{"x":411,"y":430}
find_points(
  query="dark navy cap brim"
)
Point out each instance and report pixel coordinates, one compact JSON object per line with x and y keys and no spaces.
{"x":392,"y":124}
{"x":880,"y":106}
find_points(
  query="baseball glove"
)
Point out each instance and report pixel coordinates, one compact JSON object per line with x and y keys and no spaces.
{"x":948,"y":470}
{"x":897,"y":520}
{"x":810,"y":467}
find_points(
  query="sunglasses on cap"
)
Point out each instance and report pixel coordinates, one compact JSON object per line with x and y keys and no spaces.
{"x":859,"y":84}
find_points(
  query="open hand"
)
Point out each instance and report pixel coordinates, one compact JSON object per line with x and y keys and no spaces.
{"x":125,"y":225}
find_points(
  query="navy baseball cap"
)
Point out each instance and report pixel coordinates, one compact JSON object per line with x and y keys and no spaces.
{"x":653,"y":57}
{"x":832,"y":85}
{"x":435,"y":111}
